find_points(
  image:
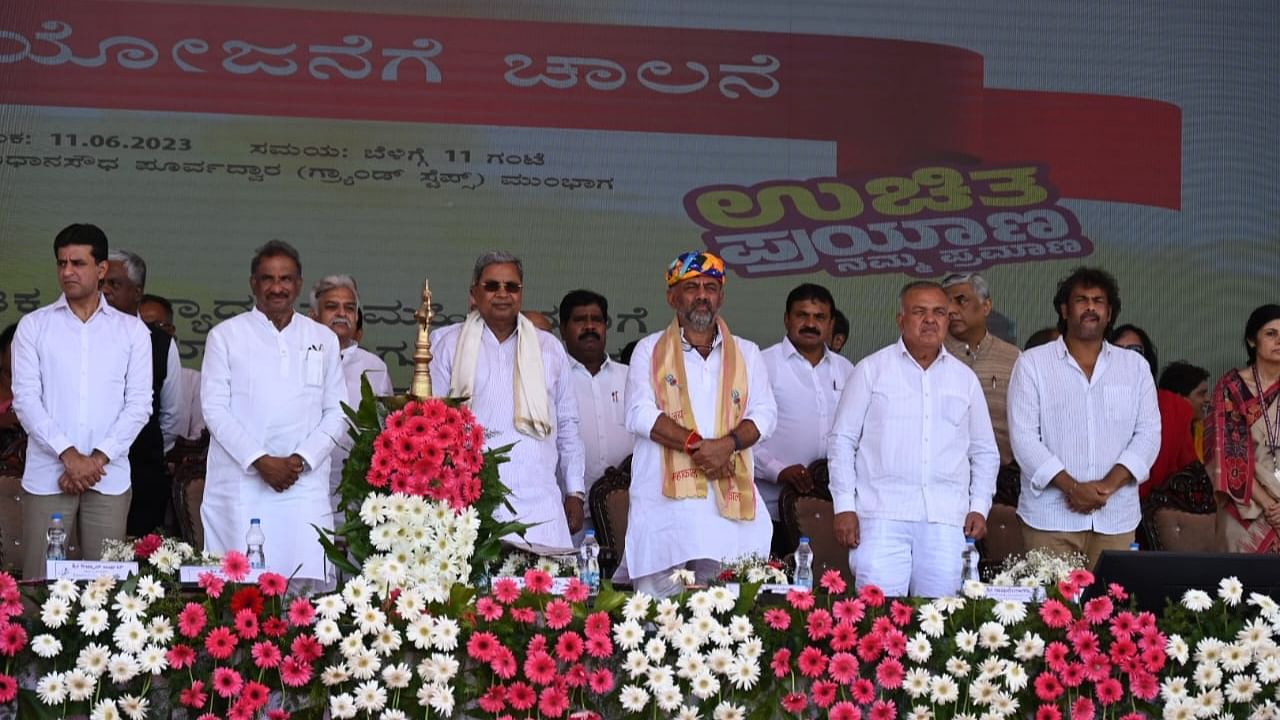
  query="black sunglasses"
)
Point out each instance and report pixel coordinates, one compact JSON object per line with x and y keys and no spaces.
{"x":493,"y":286}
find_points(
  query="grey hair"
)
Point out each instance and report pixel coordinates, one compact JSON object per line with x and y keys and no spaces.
{"x":134,"y":266}
{"x":496,"y":257}
{"x":918,"y":285}
{"x":332,"y":282}
{"x":275,"y":248}
{"x":975,"y":280}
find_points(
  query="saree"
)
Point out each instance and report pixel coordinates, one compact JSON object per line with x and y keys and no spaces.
{"x":1241,"y":463}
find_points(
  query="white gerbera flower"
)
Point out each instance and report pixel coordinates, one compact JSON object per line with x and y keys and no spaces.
{"x":370,"y":696}
{"x":744,"y":673}
{"x":342,"y":706}
{"x":668,"y":698}
{"x":1196,"y":600}
{"x":683,"y":576}
{"x":991,"y":636}
{"x":135,"y":708}
{"x":1235,"y":658}
{"x":633,"y":698}
{"x":327,"y":632}
{"x":55,"y":611}
{"x":1242,"y":689}
{"x":52,"y":689}
{"x":105,"y":710}
{"x":740,"y":628}
{"x":966,"y":640}
{"x":397,"y":676}
{"x":636,"y":663}
{"x":1176,"y":648}
{"x":92,"y":621}
{"x":688,"y":713}
{"x":364,"y":664}
{"x":943,"y":690}
{"x":690,"y":664}
{"x":130,"y":636}
{"x":728,"y":711}
{"x":916,"y":682}
{"x":628,"y":634}
{"x":722,"y":599}
{"x":974,"y":589}
{"x":655,"y":649}
{"x":160,"y":630}
{"x":45,"y":645}
{"x":444,"y":635}
{"x":1269,"y":669}
{"x":330,"y":606}
{"x":1208,"y":675}
{"x":919,"y":648}
{"x":637,"y":607}
{"x":80,"y":685}
{"x":1231,"y":591}
{"x":704,"y":685}
{"x":93,"y":659}
{"x":1009,"y":612}
{"x":1209,"y":650}
{"x":386,"y":642}
{"x":982,"y":691}
{"x":720,"y":660}
{"x":153,"y":660}
{"x":957,"y":667}
{"x":128,"y":607}
{"x":122,"y":668}
{"x":65,"y":589}
{"x":751,"y":649}
{"x":1015,"y":677}
{"x":659,"y":677}
{"x":1209,"y":702}
{"x":1173,"y":689}
{"x":151,"y":589}
{"x":1029,"y":647}
{"x":335,"y":675}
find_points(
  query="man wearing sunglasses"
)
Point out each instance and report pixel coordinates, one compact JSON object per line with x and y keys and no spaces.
{"x":517,"y":381}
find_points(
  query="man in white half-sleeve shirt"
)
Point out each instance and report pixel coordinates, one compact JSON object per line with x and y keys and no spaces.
{"x":82,"y":390}
{"x":271,"y":388}
{"x":807,"y":379}
{"x":335,"y":303}
{"x":913,"y":457}
{"x":698,"y":399}
{"x":517,"y":378}
{"x":1084,"y":425}
{"x":599,"y":384}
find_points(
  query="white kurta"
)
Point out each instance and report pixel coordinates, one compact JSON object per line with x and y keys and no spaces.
{"x":602,"y":406}
{"x":270,"y":392}
{"x":663,"y":533}
{"x":531,"y":472}
{"x":356,"y":362}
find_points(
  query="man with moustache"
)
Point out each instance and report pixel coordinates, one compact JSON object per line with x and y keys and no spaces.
{"x":272,"y":390}
{"x":913,"y":457}
{"x":807,"y":378}
{"x":335,"y":303}
{"x":698,"y":399}
{"x":1084,"y":425}
{"x":82,"y":391}
{"x":599,"y":384}
{"x":123,"y":288}
{"x":990,"y":357}
{"x":517,"y":381}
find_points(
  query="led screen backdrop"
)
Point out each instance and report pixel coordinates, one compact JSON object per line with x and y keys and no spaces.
{"x":856,"y":145}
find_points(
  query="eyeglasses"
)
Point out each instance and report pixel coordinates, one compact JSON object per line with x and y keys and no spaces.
{"x":1136,"y":348}
{"x":493,"y":286}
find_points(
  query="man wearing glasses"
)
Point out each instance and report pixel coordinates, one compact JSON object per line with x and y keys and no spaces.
{"x":519,"y":385}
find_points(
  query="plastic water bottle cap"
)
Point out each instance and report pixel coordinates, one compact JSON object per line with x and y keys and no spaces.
{"x":56,"y":516}
{"x":590,"y":533}
{"x":255,"y":521}
{"x":804,"y":538}
{"x":970,"y":541}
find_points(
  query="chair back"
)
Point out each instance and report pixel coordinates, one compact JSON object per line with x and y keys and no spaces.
{"x":189,"y":463}
{"x":1182,"y":515}
{"x":11,"y":524}
{"x":610,"y":502}
{"x":1004,"y":536}
{"x":812,"y":514}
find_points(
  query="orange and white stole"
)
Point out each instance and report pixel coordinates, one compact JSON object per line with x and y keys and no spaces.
{"x":681,"y":478}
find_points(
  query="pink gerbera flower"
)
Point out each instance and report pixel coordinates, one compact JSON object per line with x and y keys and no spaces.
{"x":211,"y":584}
{"x":180,"y":657}
{"x":481,"y":646}
{"x":781,"y":663}
{"x":13,"y":637}
{"x":576,"y":591}
{"x":1108,"y":691}
{"x":8,"y":688}
{"x":1081,"y":578}
{"x":503,"y":663}
{"x":521,"y":696}
{"x":819,"y":624}
{"x":1118,"y":592}
{"x":306,"y":648}
{"x":863,"y":691}
{"x":824,"y":693}
{"x":558,"y":614}
{"x":1055,"y":614}
{"x":553,"y":701}
{"x":811,"y":662}
{"x":900,"y":612}
{"x":844,"y":636}
{"x":890,"y":673}
{"x":600,"y":681}
{"x":843,"y":668}
{"x":1082,"y":709}
{"x":777,"y":618}
{"x":194,"y":696}
{"x":800,"y":599}
{"x":220,"y":643}
{"x":871,"y":595}
{"x":537,"y":581}
{"x":235,"y":565}
{"x":598,"y":624}
{"x":272,"y":584}
{"x":494,"y":700}
{"x":850,"y":610}
{"x":528,"y":616}
{"x":599,"y":646}
{"x":833,"y":583}
{"x":301,"y":612}
{"x":1047,"y":687}
{"x":1098,"y":610}
{"x":845,"y":710}
{"x":191,"y":620}
{"x":884,"y":710}
{"x":226,"y":682}
{"x":570,"y":647}
{"x":488,"y":609}
{"x":266,"y":654}
{"x":294,"y":672}
{"x":540,"y":668}
{"x":1048,"y":712}
{"x":795,"y":703}
{"x":506,"y":590}
{"x":254,"y":695}
{"x":246,"y":624}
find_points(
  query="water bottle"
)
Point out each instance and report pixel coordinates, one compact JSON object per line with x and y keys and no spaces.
{"x":254,"y":541}
{"x":804,"y":564}
{"x":589,"y":562}
{"x":57,"y":536}
{"x":969,"y":561}
{"x":1133,"y":547}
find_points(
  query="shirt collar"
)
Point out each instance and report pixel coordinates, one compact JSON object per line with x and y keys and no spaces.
{"x":789,"y":349}
{"x":262,"y":317}
{"x":902,"y":351}
{"x":715,"y":342}
{"x":573,"y":362}
{"x":104,"y":307}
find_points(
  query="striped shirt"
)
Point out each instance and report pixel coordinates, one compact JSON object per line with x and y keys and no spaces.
{"x":1061,"y":420}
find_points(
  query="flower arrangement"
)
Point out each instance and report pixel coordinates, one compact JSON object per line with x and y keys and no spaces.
{"x":1037,"y":568}
{"x":754,"y":569}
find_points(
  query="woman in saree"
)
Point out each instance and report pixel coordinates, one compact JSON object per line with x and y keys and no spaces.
{"x":1242,"y":441}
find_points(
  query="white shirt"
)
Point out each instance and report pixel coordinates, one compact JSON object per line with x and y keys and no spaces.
{"x":271,"y":392}
{"x":531,"y":473}
{"x":807,"y":396}
{"x":662,"y":532}
{"x":171,"y":415}
{"x":602,"y":411}
{"x":913,"y":444}
{"x":1061,"y":420}
{"x":190,"y":417}
{"x":356,"y":363}
{"x":80,"y":384}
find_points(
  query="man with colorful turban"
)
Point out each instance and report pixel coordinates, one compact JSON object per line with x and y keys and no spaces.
{"x":698,"y":398}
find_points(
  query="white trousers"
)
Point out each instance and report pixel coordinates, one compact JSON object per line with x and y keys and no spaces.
{"x":903,"y":557}
{"x":660,"y":584}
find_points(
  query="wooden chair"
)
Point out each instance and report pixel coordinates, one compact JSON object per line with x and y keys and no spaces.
{"x":610,"y":501}
{"x":812,"y":514}
{"x":188,"y":460}
{"x":11,"y":524}
{"x":1182,"y":515}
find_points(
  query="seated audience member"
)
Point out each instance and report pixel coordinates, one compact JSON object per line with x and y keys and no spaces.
{"x":807,"y":378}
{"x":1181,"y":394}
{"x":539,"y":319}
{"x":913,"y":457}
{"x":82,"y":390}
{"x":839,"y":331}
{"x":13,"y":441}
{"x":600,"y":386}
{"x":1132,"y":337}
{"x":1043,"y":336}
{"x":1242,"y":433}
{"x":189,"y":423}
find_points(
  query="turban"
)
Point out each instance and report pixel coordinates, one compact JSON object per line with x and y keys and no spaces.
{"x":694,"y":264}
